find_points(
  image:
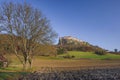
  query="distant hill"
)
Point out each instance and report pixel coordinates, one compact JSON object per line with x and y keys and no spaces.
{"x":71,"y":43}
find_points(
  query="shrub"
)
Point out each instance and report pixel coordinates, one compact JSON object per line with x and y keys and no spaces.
{"x":61,"y":50}
{"x":69,"y":56}
{"x":100,"y":52}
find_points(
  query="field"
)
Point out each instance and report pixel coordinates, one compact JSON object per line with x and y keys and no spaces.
{"x":90,"y":55}
{"x":82,"y":60}
{"x":88,"y":74}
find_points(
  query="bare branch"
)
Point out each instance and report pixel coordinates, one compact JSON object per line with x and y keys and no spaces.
{"x":27,"y":28}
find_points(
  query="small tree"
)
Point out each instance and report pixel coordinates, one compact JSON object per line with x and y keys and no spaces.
{"x":100,"y":52}
{"x":61,"y":50}
{"x":115,"y":50}
{"x":27,"y":28}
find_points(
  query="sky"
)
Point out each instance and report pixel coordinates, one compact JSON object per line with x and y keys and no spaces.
{"x":93,"y":21}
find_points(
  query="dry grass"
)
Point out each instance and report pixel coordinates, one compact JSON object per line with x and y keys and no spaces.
{"x":74,"y":64}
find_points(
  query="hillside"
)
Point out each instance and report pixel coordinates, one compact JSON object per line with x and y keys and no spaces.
{"x":71,"y":43}
{"x":4,"y":43}
{"x":5,"y":47}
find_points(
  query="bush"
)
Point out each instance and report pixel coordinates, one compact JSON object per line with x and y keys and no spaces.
{"x":100,"y":52}
{"x":61,"y":50}
{"x":69,"y":56}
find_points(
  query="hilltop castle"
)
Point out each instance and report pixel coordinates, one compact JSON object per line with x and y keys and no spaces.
{"x":69,"y":40}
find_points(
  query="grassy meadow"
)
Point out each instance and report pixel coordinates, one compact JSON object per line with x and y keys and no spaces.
{"x":81,"y":60}
{"x":90,"y":55}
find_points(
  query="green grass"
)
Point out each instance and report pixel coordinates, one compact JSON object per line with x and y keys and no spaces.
{"x":11,"y":75}
{"x":11,"y":68}
{"x":90,"y":55}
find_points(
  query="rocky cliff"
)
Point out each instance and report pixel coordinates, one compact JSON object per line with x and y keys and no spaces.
{"x":72,"y":43}
{"x":69,"y":40}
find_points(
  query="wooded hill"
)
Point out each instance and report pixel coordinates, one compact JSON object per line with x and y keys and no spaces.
{"x":5,"y":47}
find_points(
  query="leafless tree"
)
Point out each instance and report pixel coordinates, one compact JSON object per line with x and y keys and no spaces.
{"x":27,"y":28}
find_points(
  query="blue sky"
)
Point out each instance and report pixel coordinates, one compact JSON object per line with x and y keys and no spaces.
{"x":94,"y":21}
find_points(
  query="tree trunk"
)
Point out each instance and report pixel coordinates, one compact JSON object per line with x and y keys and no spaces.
{"x":25,"y":63}
{"x":24,"y":66}
{"x":30,"y":63}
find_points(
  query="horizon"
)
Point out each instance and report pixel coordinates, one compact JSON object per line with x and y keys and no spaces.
{"x":95,"y":21}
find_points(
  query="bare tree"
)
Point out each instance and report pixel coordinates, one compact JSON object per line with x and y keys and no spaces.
{"x":27,"y":28}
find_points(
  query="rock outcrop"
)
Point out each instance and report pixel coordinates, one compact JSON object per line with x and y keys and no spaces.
{"x":70,"y":43}
{"x":67,"y":40}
